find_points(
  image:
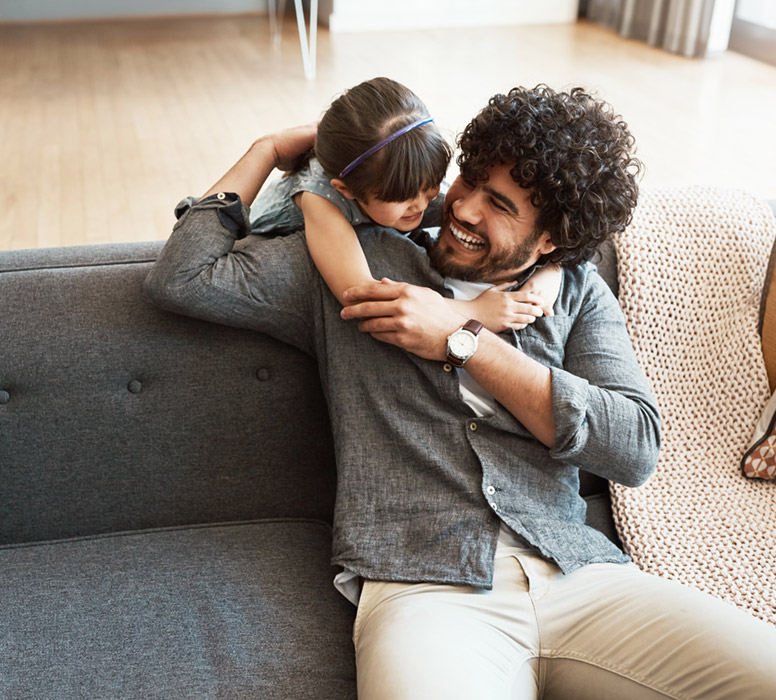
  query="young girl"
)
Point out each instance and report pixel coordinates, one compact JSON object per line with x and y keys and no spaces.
{"x":380,"y":159}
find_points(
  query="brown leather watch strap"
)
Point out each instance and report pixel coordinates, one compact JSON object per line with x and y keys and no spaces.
{"x":473,"y":326}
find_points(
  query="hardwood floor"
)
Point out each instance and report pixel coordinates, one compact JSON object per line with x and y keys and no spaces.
{"x":104,"y":126}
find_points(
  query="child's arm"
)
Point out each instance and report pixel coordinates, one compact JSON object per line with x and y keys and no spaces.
{"x":499,"y":309}
{"x":338,"y":255}
{"x":333,"y":244}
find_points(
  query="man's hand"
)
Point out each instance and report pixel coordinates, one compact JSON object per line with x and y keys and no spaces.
{"x":419,"y":320}
{"x":414,"y":318}
{"x":280,"y":150}
{"x":291,"y":143}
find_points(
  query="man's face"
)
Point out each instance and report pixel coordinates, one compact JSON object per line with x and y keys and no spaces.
{"x":487,"y":233}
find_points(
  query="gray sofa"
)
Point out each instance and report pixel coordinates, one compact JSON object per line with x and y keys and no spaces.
{"x":166,"y":489}
{"x":166,"y":492}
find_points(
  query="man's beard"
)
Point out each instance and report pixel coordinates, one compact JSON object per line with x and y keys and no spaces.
{"x":490,"y":268}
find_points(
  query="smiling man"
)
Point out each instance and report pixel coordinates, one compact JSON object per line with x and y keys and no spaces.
{"x":464,"y":249}
{"x":459,"y":526}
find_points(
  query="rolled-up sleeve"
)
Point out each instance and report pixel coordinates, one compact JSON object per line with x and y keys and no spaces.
{"x":212,"y":270}
{"x":606,"y":418}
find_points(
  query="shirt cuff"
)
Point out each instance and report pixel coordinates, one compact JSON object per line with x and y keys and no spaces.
{"x":232,"y":213}
{"x":570,"y":401}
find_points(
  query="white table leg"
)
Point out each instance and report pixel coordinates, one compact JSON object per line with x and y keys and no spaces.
{"x":309,"y":48}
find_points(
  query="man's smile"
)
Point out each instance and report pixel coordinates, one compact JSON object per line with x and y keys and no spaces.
{"x":466,"y":239}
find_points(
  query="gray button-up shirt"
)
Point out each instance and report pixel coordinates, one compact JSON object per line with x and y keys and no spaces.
{"x":423,"y":484}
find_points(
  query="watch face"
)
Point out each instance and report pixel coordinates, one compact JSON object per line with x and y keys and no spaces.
{"x":462,"y":344}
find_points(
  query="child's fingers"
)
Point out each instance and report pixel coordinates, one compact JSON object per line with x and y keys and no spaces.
{"x":503,"y":286}
{"x":527,"y":298}
{"x":523,"y":309}
{"x":520,"y":321}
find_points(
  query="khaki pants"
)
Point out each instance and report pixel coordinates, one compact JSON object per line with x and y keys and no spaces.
{"x":604,"y":631}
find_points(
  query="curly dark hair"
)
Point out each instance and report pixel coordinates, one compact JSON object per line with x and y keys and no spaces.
{"x":571,"y":151}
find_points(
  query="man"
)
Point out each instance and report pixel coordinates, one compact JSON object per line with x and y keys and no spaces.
{"x":458,"y":521}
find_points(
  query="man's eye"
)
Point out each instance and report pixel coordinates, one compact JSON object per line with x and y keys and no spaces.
{"x":497,"y":205}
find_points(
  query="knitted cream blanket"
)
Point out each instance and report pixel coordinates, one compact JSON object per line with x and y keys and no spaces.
{"x":691,"y":272}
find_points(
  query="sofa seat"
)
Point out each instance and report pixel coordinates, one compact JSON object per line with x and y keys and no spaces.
{"x":229,"y":610}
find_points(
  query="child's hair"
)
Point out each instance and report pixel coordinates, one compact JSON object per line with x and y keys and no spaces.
{"x":364,"y":116}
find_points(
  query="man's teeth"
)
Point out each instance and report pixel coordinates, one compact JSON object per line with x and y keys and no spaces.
{"x":467,"y":240}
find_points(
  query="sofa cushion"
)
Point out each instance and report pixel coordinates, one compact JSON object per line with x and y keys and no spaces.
{"x":115,"y":415}
{"x":238,"y":610}
{"x":759,"y":460}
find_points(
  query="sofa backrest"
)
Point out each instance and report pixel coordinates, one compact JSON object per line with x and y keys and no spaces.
{"x":115,"y":415}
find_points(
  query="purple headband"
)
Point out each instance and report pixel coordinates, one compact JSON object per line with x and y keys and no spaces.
{"x":382,"y":144}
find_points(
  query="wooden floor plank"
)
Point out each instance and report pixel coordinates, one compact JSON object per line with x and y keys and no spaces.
{"x":105,"y":125}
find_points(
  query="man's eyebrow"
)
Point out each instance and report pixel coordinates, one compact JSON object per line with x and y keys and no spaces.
{"x":506,"y":201}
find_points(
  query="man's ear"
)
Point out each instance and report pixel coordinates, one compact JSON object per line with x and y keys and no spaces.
{"x":545,"y":244}
{"x":342,"y":188}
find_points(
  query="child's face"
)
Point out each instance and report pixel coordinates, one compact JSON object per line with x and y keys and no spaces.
{"x":404,"y":216}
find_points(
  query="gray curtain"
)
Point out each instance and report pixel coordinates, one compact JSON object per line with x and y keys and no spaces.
{"x":680,"y":26}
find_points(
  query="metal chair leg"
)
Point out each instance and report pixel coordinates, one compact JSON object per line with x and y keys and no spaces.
{"x":309,"y":48}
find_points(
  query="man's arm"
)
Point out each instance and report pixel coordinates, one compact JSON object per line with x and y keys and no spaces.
{"x":246,"y":177}
{"x":519,"y":383}
{"x":206,"y":271}
{"x":597,"y":411}
{"x":419,"y":320}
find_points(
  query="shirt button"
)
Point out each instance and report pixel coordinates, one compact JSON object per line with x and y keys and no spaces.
{"x":494,"y":506}
{"x":447,"y":367}
{"x":221,"y":195}
{"x":473,"y":426}
{"x":491,"y":490}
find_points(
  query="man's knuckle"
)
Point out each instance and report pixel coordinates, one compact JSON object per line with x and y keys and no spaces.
{"x":403,"y":306}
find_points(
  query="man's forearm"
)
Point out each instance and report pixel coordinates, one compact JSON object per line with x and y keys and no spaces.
{"x":279,"y":150}
{"x":597,"y":410}
{"x":519,"y":383}
{"x":246,"y":177}
{"x":419,"y":320}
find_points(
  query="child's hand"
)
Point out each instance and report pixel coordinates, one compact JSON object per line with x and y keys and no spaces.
{"x":499,"y":310}
{"x":545,"y":284}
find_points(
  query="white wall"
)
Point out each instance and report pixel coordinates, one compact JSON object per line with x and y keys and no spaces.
{"x":346,"y":16}
{"x":369,"y":15}
{"x":28,"y":10}
{"x":757,"y":12}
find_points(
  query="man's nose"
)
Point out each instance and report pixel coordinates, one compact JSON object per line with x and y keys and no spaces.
{"x":468,"y":207}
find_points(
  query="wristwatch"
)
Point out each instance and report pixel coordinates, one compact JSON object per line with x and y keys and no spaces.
{"x":462,"y":344}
